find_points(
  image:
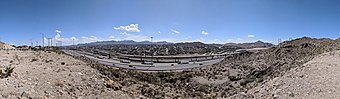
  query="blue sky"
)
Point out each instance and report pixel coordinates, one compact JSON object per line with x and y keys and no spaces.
{"x":209,"y":21}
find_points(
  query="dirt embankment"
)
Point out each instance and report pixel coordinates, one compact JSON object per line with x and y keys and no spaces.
{"x":316,"y":79}
{"x":50,"y":75}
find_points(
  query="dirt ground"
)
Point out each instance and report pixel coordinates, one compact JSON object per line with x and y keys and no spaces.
{"x":317,"y":79}
{"x":50,"y":75}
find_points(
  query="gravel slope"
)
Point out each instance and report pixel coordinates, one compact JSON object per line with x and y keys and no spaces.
{"x":42,"y":75}
{"x":317,"y":79}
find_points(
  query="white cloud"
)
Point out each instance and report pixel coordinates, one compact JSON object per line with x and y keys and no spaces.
{"x":250,"y":36}
{"x":128,"y":28}
{"x":174,"y":31}
{"x":159,"y":32}
{"x":57,"y":37}
{"x":58,"y":31}
{"x":205,"y":33}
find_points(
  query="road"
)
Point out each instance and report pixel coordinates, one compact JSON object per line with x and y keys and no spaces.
{"x":142,"y":67}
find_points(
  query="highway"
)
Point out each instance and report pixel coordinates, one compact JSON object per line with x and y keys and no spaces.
{"x":138,"y":66}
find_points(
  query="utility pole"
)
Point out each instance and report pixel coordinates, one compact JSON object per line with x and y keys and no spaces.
{"x":278,"y":42}
{"x":151,"y":39}
{"x":49,"y":41}
{"x":73,"y":41}
{"x":31,"y":42}
{"x":43,"y":39}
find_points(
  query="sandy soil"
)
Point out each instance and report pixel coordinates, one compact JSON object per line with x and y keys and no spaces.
{"x":317,"y":79}
{"x":42,"y":75}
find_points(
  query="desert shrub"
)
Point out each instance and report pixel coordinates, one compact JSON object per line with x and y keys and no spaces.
{"x":8,"y":72}
{"x":47,"y":61}
{"x":63,"y":63}
{"x":151,"y":93}
{"x":59,"y":83}
{"x":244,"y":82}
{"x":204,"y":88}
{"x":234,"y":78}
{"x":33,"y":60}
{"x":164,"y":74}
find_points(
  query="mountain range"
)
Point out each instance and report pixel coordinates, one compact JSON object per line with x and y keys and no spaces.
{"x":125,"y":42}
{"x":258,"y":44}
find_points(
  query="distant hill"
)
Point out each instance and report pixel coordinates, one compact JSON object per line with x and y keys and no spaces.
{"x":257,"y":44}
{"x":227,"y":45}
{"x":124,"y":42}
{"x":5,"y":46}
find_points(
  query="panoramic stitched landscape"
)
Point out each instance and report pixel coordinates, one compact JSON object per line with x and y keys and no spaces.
{"x":169,"y":49}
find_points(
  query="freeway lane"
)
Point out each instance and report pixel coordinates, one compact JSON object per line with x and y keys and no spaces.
{"x":139,"y":66}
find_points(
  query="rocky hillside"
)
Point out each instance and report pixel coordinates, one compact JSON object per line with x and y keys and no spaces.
{"x":234,"y":75}
{"x":124,"y":42}
{"x":5,"y":46}
{"x":316,"y":79}
{"x":258,"y":44}
{"x":248,"y":70}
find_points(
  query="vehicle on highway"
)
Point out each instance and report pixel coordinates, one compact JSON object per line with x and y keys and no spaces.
{"x":100,"y":57}
{"x":183,"y":62}
{"x":199,"y":63}
{"x":125,"y":61}
{"x":147,"y":62}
